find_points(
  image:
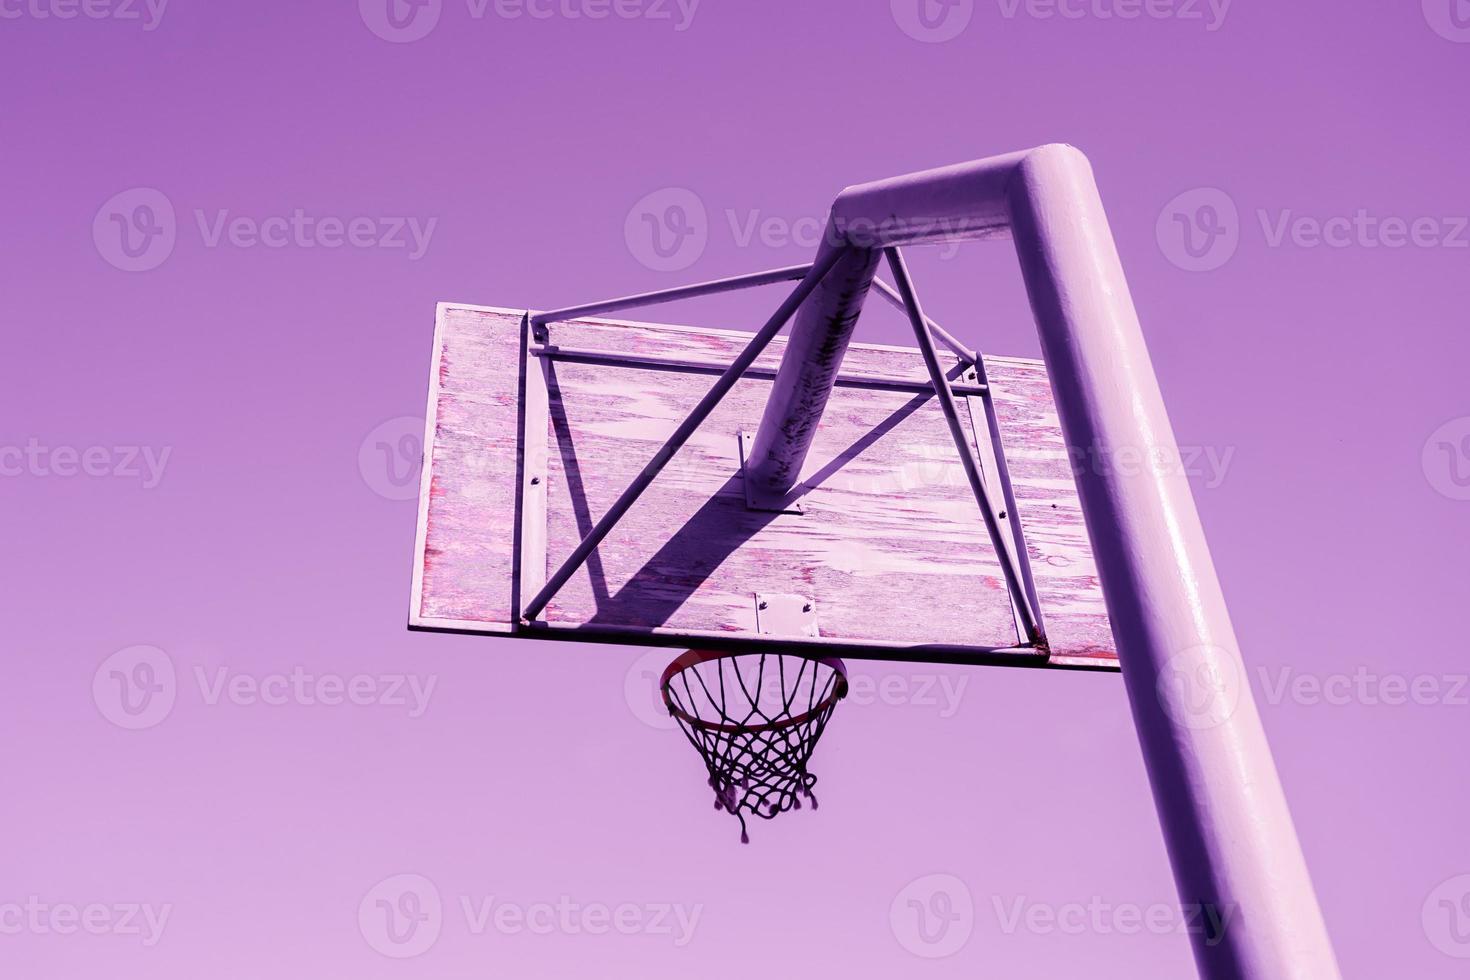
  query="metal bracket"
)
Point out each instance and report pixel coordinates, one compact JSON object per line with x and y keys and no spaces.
{"x":985,"y":430}
{"x":754,"y":499}
{"x":785,"y":614}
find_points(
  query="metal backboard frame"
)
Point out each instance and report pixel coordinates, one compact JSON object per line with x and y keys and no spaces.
{"x":492,"y":444}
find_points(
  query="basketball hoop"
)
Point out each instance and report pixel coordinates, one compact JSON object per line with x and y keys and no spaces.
{"x":755,"y":719}
{"x":537,"y":419}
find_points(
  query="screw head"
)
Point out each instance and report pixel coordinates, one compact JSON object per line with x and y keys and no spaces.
{"x":535,"y":480}
{"x":764,"y":604}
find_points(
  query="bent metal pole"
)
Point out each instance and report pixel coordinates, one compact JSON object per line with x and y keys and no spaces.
{"x":1226,"y":823}
{"x":1230,"y":834}
{"x":814,"y":349}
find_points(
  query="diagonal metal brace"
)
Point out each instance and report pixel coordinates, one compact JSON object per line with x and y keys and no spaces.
{"x":966,"y":449}
{"x":788,"y":273}
{"x":945,"y":337}
{"x":695,"y":418}
{"x":785,"y":274}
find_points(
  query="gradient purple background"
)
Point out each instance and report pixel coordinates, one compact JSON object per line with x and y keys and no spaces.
{"x":1339,"y":526}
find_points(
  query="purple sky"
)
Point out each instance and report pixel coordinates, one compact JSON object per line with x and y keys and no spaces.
{"x":225,"y":230}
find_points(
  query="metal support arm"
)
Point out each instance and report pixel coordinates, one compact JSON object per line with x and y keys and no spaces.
{"x":657,"y":297}
{"x":963,"y":444}
{"x":681,"y":435}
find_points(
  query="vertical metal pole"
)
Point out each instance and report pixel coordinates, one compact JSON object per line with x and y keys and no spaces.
{"x":1230,"y":835}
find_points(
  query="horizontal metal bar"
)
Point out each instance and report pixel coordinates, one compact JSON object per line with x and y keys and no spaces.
{"x":828,"y":645}
{"x":676,"y":638}
{"x":948,"y":339}
{"x":681,"y":435}
{"x":786,"y":274}
{"x":716,"y":367}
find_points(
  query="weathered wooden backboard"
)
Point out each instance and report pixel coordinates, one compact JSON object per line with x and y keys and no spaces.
{"x":530,"y":438}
